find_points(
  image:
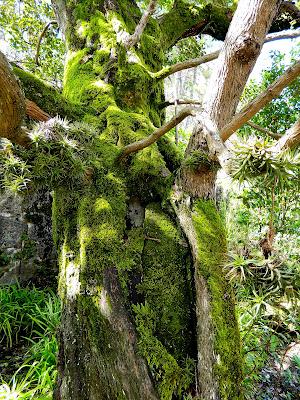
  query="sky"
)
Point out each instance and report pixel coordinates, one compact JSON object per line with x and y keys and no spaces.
{"x":264,"y":60}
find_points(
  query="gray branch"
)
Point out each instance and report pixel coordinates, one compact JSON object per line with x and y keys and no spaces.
{"x":133,"y":39}
{"x":141,"y":144}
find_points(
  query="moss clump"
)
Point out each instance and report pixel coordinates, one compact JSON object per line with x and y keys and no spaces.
{"x":46,"y":97}
{"x":212,"y":250}
{"x":199,"y":160}
{"x":163,"y":321}
{"x":171,"y":378}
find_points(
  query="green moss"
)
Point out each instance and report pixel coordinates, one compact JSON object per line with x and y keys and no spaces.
{"x":171,"y":378}
{"x":163,"y":321}
{"x":171,"y":153}
{"x":212,"y":250}
{"x":46,"y":97}
{"x":199,"y":160}
{"x":183,"y":16}
{"x":166,"y":280}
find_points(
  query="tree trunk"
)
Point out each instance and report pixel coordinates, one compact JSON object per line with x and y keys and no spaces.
{"x":147,"y":312}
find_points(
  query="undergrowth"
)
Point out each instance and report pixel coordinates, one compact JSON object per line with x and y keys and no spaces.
{"x":28,"y":324}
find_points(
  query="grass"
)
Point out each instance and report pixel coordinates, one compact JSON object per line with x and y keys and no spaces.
{"x":30,"y":317}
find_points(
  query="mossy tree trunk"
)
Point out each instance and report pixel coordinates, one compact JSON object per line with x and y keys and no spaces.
{"x":147,"y":311}
{"x":139,"y":287}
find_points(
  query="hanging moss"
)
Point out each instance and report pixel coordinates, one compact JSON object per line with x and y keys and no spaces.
{"x":212,"y":250}
{"x":171,"y":378}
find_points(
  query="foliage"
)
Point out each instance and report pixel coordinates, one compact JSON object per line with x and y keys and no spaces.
{"x":281,"y":113}
{"x":30,"y":316}
{"x":21,"y":24}
{"x":267,"y":289}
{"x":254,"y":158}
{"x":266,"y":200}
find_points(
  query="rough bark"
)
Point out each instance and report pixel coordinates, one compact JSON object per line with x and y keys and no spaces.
{"x":12,"y":105}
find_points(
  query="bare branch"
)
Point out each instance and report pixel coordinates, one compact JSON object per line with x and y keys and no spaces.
{"x":43,"y":33}
{"x":289,"y":34}
{"x":12,"y":105}
{"x":260,"y":101}
{"x":35,"y":112}
{"x":133,"y":39}
{"x":141,"y":144}
{"x":180,"y":102}
{"x":290,"y":139}
{"x":264,"y":130}
{"x":195,"y":62}
{"x":167,"y":71}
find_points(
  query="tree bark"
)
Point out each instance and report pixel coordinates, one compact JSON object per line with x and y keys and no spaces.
{"x":12,"y":105}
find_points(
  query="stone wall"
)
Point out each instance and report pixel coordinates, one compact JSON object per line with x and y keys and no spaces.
{"x":26,"y":247}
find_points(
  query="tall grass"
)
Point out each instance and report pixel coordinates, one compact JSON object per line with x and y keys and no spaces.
{"x":31,"y":316}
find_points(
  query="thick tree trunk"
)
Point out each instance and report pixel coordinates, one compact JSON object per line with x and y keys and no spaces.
{"x":145,"y":303}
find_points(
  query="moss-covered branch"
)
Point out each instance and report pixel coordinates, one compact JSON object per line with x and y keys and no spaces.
{"x":185,"y":20}
{"x":46,"y":97}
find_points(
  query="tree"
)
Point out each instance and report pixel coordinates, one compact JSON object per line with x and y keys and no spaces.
{"x":147,"y":311}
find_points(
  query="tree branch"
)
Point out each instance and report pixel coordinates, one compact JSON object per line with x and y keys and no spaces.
{"x":289,"y":34}
{"x":133,"y":39}
{"x":46,"y":97}
{"x":141,"y":144}
{"x":210,"y":19}
{"x":195,"y":62}
{"x":12,"y":105}
{"x":179,"y":102}
{"x":35,"y":112}
{"x":264,"y":130}
{"x":260,"y":101}
{"x":290,"y":139}
{"x":214,"y":21}
{"x":43,"y":33}
{"x":167,"y":71}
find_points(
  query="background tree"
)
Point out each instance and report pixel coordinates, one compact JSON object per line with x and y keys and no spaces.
{"x":141,"y":242}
